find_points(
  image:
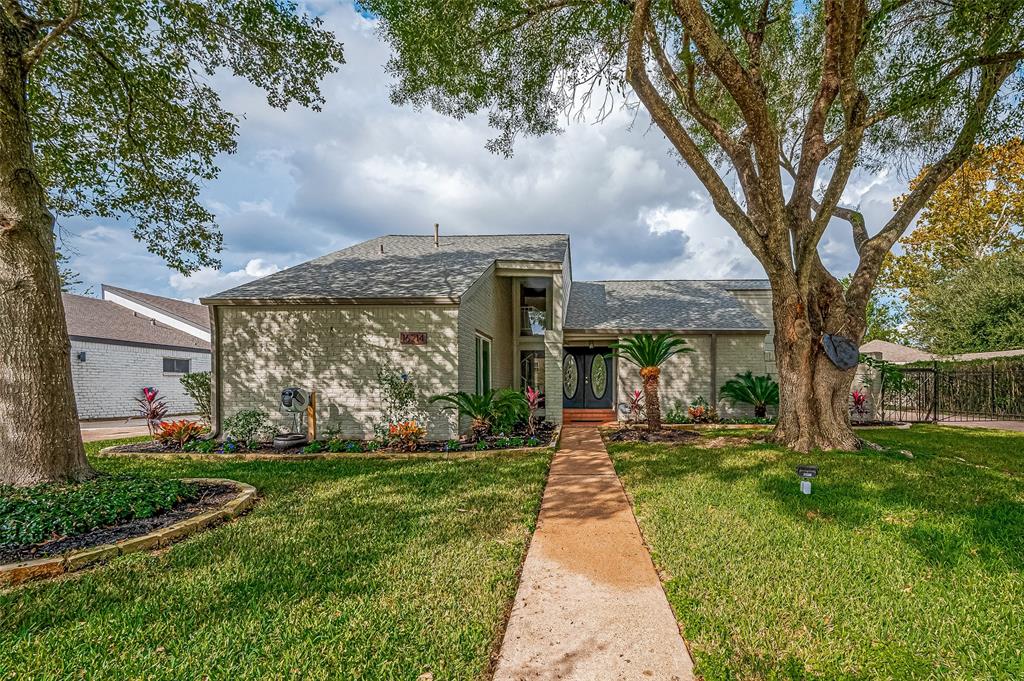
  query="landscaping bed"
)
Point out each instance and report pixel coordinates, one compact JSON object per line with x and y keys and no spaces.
{"x":893,"y":567}
{"x":544,"y":436}
{"x":667,"y":435}
{"x":51,"y":520}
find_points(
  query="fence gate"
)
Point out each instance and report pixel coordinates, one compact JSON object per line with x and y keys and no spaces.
{"x":964,"y":393}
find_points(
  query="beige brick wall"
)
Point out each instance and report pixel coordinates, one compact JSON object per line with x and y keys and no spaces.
{"x":334,"y":350}
{"x":760,"y":303}
{"x":687,"y":376}
{"x":486,"y":308}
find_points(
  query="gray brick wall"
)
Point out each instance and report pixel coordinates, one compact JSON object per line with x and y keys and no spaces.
{"x":112,"y":376}
{"x":336,"y":351}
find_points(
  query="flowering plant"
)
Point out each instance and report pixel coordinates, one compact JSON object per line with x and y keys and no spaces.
{"x":702,"y":412}
{"x":405,"y":436}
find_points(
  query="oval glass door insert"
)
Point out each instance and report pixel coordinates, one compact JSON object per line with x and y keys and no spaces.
{"x":599,"y":377}
{"x":570,"y":376}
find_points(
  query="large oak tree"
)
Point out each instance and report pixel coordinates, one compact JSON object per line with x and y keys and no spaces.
{"x":773,"y":104}
{"x":107,"y":110}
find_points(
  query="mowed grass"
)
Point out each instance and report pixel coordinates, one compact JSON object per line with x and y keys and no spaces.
{"x":354,"y":569}
{"x":894,"y":568}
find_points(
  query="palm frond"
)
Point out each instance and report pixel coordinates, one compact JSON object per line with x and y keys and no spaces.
{"x":649,"y":350}
{"x":760,"y":391}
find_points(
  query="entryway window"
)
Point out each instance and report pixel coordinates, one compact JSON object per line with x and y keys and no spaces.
{"x":483,"y":365}
{"x":531,"y":369}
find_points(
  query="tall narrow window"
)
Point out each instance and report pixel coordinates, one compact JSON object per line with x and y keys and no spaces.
{"x":483,"y":365}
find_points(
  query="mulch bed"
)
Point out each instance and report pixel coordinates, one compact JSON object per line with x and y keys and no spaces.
{"x":644,"y":435}
{"x":544,"y":432}
{"x":210,"y":496}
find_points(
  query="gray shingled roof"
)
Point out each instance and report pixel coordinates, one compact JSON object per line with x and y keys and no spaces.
{"x":647,"y":305}
{"x":409,"y":267}
{"x":103,"y":320}
{"x":197,"y":315}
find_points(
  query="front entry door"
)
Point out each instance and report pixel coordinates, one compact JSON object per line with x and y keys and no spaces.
{"x":587,"y":378}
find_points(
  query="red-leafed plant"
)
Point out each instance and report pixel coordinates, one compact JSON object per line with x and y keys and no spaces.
{"x":533,"y":398}
{"x":405,"y":436}
{"x":860,"y":403}
{"x":178,"y":432}
{"x":151,"y":407}
{"x":636,"y":407}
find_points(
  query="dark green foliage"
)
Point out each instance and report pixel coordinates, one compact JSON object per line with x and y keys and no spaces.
{"x":648,"y":350}
{"x":978,"y":309}
{"x":126,"y":123}
{"x":29,"y":515}
{"x":496,"y":410}
{"x":760,"y":392}
{"x":197,"y":386}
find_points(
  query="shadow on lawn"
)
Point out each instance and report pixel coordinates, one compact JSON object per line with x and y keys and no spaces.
{"x":946,"y":511}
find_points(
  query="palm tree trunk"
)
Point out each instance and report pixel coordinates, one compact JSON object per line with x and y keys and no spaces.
{"x":652,"y":403}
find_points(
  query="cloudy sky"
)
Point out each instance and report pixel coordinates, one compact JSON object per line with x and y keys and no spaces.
{"x":303,"y":184}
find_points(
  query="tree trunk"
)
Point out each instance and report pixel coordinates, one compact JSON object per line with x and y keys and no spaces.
{"x":650,"y":376}
{"x":813,"y":392}
{"x":40,"y":440}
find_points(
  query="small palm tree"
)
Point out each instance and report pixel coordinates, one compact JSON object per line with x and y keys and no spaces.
{"x":760,"y":391}
{"x":649,"y":352}
{"x":479,"y":409}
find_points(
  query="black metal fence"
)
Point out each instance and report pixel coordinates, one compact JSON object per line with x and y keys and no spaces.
{"x":954,"y":393}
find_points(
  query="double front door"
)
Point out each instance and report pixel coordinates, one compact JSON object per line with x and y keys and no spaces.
{"x":587,"y":378}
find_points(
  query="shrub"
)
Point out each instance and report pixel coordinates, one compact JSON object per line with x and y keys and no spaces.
{"x":700,"y":411}
{"x":201,"y":446}
{"x":760,"y":392}
{"x":197,"y":386}
{"x":500,"y":410}
{"x":314,"y":447}
{"x":178,"y":432}
{"x":399,"y":400}
{"x":860,"y":403}
{"x":533,"y":398}
{"x":452,"y":446}
{"x":249,"y":427}
{"x":635,"y":409}
{"x":151,"y":407}
{"x":405,"y":436}
{"x":29,"y":515}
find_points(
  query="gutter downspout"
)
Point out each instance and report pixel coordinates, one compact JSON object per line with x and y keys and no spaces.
{"x":214,"y":375}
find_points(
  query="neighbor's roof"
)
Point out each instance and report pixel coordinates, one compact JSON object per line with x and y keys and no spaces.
{"x":665,"y":305}
{"x":408,"y":267}
{"x":103,"y":320}
{"x":193,"y":314}
{"x":896,"y":353}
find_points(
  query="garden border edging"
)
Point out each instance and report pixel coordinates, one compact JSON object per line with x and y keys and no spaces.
{"x":267,"y":456}
{"x":13,"y":574}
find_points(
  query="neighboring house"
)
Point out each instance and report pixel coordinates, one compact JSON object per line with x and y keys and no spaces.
{"x":131,"y":340}
{"x":902,"y":354}
{"x":472,"y":313}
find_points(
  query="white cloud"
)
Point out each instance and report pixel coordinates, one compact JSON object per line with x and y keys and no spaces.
{"x":207,"y":280}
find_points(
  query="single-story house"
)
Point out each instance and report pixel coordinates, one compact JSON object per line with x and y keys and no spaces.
{"x":896,"y":353}
{"x":472,"y":313}
{"x":128,"y":340}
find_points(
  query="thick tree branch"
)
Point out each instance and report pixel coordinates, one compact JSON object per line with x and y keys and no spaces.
{"x":33,"y":54}
{"x":665,"y":119}
{"x":874,"y":250}
{"x":17,"y":15}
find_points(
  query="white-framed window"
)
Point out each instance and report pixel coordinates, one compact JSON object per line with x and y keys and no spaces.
{"x":176,"y":365}
{"x":483,"y":364}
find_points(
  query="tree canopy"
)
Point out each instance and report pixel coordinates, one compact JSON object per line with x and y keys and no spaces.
{"x":976,"y":213}
{"x":124,"y":112}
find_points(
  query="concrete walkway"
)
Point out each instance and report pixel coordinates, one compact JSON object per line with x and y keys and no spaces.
{"x":590,"y":605}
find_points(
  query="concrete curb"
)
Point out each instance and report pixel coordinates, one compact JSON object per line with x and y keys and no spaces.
{"x":262,"y":456}
{"x":13,"y":574}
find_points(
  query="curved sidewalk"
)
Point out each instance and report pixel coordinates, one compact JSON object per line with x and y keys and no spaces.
{"x":589,"y":605}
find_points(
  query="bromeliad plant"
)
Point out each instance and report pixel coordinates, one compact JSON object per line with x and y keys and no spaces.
{"x":151,"y":407}
{"x":759,"y":391}
{"x":649,"y":352}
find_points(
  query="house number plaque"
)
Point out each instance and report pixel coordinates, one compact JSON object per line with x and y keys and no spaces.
{"x":413,"y":337}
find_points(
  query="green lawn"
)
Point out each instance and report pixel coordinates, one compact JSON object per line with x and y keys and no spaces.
{"x":894,"y":568}
{"x":355,"y":569}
